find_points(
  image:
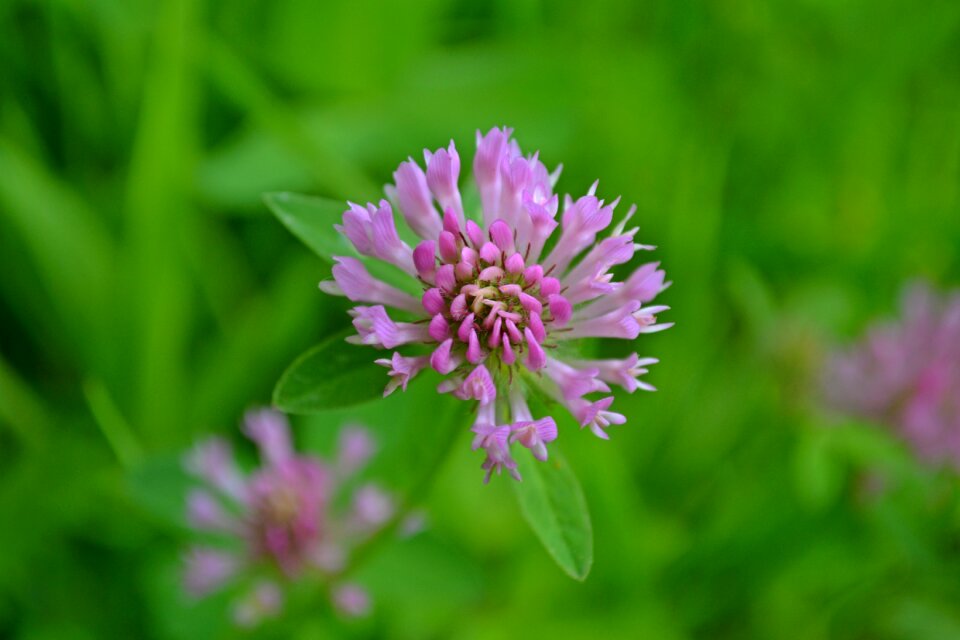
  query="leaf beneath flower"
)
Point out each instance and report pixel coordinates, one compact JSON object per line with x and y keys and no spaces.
{"x":331,"y":375}
{"x":553,"y":504}
{"x":311,"y":219}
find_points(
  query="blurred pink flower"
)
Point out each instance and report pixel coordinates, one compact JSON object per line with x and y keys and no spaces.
{"x":906,"y":374}
{"x":278,"y":520}
{"x":504,"y":295}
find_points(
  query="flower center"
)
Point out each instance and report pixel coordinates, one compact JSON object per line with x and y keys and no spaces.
{"x":496,"y":302}
{"x":284,"y":527}
{"x":281,"y":506}
{"x":489,"y":300}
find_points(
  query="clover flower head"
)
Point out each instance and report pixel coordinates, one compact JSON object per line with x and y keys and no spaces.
{"x":505,"y":291}
{"x":276,"y":524}
{"x":905,"y":374}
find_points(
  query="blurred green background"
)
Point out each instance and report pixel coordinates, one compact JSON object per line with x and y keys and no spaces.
{"x":795,"y":162}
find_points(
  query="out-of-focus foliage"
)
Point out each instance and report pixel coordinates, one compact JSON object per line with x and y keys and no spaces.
{"x":794,"y":161}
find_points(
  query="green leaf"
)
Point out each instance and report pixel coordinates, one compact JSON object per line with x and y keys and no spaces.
{"x":311,"y":219}
{"x":331,"y":375}
{"x":552,"y":502}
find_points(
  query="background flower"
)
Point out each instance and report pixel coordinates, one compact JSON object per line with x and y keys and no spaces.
{"x":905,"y":373}
{"x":278,"y":522}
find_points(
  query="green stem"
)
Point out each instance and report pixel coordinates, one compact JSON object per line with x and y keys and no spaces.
{"x":414,"y":496}
{"x":114,"y":427}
